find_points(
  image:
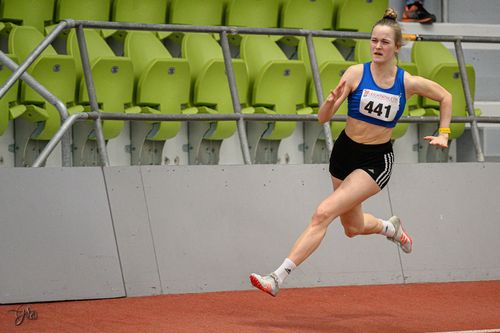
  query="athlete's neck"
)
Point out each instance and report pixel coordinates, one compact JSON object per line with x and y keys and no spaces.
{"x":383,"y":68}
{"x":383,"y":74}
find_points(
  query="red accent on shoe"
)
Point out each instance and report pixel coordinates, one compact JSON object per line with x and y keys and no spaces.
{"x":404,"y":239}
{"x":255,"y":282}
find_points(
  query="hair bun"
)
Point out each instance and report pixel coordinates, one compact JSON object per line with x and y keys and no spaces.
{"x":390,"y":14}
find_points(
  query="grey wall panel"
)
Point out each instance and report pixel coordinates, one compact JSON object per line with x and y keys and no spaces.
{"x":56,"y":236}
{"x":213,"y":226}
{"x":205,"y":228}
{"x":133,"y":232}
{"x":452,"y":213}
{"x":478,"y":12}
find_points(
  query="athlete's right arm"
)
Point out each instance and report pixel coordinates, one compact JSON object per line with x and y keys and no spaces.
{"x":337,"y":96}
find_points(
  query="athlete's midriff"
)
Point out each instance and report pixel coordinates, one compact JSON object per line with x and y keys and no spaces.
{"x":366,"y":133}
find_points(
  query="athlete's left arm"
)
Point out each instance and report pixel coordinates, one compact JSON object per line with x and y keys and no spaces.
{"x":430,"y":89}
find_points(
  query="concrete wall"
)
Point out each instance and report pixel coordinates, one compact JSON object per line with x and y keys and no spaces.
{"x":464,"y":11}
{"x":56,"y":236}
{"x":84,"y":233}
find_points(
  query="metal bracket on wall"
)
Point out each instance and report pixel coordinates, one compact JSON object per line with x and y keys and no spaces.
{"x":144,"y":151}
{"x":201,"y":150}
{"x":315,"y":149}
{"x":26,"y":149}
{"x":262,"y":151}
{"x":85,"y":151}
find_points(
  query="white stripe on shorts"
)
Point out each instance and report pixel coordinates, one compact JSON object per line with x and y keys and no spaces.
{"x":384,"y":176}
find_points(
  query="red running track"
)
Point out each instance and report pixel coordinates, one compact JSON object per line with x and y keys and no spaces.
{"x":436,"y":307}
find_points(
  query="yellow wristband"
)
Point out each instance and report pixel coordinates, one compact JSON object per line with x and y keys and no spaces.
{"x":446,"y":130}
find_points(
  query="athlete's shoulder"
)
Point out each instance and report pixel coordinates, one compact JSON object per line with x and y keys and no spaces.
{"x":412,"y":82}
{"x":353,"y":74}
{"x":355,"y":69}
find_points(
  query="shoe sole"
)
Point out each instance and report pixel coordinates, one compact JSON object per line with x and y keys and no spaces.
{"x":401,"y":247}
{"x":255,"y":282}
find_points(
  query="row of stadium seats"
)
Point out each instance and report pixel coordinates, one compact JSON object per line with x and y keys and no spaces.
{"x":195,"y":82}
{"x":356,"y":15}
{"x":133,"y":81}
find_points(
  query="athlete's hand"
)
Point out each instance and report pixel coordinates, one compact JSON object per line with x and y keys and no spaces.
{"x":330,"y":104}
{"x":439,"y":141}
{"x":336,"y":93}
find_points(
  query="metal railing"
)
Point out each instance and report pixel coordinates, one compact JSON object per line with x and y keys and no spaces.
{"x":63,"y":134}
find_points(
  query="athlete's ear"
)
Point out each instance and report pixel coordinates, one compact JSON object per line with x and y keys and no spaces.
{"x":398,"y":48}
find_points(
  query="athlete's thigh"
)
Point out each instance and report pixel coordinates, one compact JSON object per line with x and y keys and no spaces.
{"x":353,"y":217}
{"x":360,"y":186}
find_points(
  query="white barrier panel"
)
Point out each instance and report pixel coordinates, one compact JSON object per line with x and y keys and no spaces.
{"x":56,"y":236}
{"x":205,"y":228}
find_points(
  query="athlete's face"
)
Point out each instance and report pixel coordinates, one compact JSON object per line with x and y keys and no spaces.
{"x":383,"y":47}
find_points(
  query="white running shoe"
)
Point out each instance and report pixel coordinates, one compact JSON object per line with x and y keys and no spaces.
{"x":400,"y":236}
{"x":266,"y":283}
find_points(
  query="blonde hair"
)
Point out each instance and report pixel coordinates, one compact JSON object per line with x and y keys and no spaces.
{"x":389,"y":19}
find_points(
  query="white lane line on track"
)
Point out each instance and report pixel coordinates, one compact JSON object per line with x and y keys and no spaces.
{"x":492,"y":330}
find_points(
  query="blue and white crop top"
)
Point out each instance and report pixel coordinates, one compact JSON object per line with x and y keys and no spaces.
{"x":377,"y":105}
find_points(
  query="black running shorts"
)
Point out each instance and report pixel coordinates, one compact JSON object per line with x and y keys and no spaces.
{"x":348,"y":155}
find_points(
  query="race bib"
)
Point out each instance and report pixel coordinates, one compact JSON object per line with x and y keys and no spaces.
{"x":379,"y":105}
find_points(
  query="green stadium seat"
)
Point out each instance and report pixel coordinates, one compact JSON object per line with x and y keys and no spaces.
{"x":278,"y":84}
{"x":304,"y":14}
{"x":37,"y":120}
{"x":252,"y":13}
{"x":93,"y":10}
{"x":437,"y":63}
{"x":331,"y":66}
{"x":307,"y":14}
{"x":210,"y":94}
{"x":362,"y":54}
{"x":210,"y":85}
{"x":113,"y":79}
{"x":162,"y":82}
{"x":337,"y":4}
{"x":35,"y":13}
{"x":196,"y":12}
{"x":8,"y":103}
{"x":55,"y":72}
{"x":360,"y":15}
{"x":140,"y":11}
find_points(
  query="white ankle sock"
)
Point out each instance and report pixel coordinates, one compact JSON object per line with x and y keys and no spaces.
{"x":387,"y":229}
{"x":284,"y":270}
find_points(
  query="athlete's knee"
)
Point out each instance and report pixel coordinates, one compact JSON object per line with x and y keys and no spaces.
{"x":352,"y":231}
{"x":321,"y":217}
